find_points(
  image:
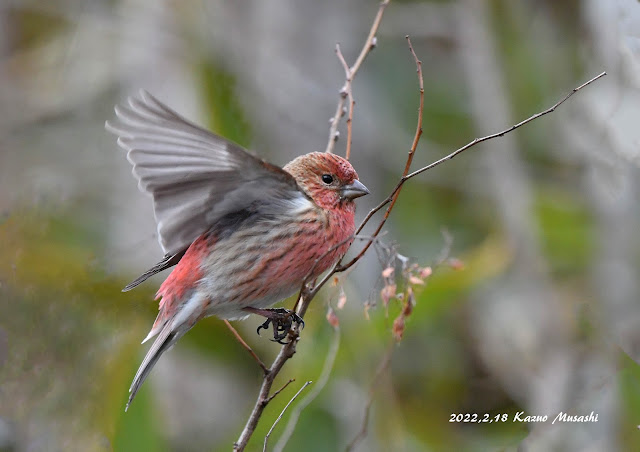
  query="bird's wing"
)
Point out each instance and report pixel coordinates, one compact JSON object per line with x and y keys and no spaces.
{"x":168,"y":261}
{"x":194,"y":176}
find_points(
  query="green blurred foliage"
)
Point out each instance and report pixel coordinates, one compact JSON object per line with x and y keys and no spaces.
{"x":566,"y":232}
{"x":33,"y":26}
{"x":227,"y":117}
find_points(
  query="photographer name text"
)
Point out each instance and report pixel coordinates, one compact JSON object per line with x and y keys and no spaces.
{"x":521,"y":416}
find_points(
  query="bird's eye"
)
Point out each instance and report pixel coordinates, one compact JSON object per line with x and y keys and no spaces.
{"x":327,"y":178}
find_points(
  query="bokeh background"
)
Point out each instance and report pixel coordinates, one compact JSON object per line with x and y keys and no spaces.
{"x":544,"y":317}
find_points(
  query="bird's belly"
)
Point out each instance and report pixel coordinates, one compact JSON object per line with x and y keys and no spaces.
{"x":225,"y":305}
{"x":259,"y":277}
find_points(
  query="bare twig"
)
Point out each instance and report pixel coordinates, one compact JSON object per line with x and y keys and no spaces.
{"x":406,"y":177}
{"x":284,"y":386}
{"x":349,"y":93}
{"x":246,"y":346}
{"x":266,"y":438}
{"x":391,"y":200}
{"x":286,"y":352}
{"x":506,"y":131}
{"x":318,"y":387}
{"x":369,"y":45}
{"x":338,"y":267}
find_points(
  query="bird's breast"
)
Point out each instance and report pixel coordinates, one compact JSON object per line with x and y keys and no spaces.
{"x":267,"y":261}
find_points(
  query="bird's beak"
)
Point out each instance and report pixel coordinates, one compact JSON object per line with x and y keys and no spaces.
{"x":354,"y":190}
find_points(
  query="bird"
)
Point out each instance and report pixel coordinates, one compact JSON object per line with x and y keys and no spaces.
{"x":242,"y":233}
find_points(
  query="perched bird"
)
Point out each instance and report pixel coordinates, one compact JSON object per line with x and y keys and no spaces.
{"x":242,"y":233}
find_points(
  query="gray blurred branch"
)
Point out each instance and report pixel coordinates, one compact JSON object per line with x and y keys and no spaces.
{"x":319,"y":386}
{"x":266,"y":438}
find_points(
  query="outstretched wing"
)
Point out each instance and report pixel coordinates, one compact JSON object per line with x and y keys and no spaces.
{"x":194,"y":176}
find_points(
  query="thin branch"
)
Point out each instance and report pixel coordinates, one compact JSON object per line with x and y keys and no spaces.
{"x":309,"y":290}
{"x":308,"y":294}
{"x":246,"y":346}
{"x":266,"y":438}
{"x":349,"y":93}
{"x":506,"y":131}
{"x":284,"y":386}
{"x":406,"y":177}
{"x":370,"y":43}
{"x":319,"y":386}
{"x":391,"y":200}
{"x":286,"y":352}
{"x":368,"y":46}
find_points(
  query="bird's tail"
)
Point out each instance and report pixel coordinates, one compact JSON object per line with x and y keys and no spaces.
{"x":165,"y":340}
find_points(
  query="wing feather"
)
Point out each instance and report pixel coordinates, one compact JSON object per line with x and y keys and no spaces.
{"x":194,"y":176}
{"x":167,"y":262}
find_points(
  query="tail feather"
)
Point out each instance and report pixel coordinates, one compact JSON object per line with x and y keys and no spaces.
{"x":160,"y":322}
{"x":163,"y":342}
{"x":174,"y":320}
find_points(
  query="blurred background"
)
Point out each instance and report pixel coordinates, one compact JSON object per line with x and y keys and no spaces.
{"x":543,"y":318}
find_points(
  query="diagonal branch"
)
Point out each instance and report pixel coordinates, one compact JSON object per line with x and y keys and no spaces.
{"x":318,"y":387}
{"x":266,"y":438}
{"x":506,"y":131}
{"x":246,"y":346}
{"x":406,"y":176}
{"x":396,"y":192}
{"x":286,"y":352}
{"x":284,"y":386}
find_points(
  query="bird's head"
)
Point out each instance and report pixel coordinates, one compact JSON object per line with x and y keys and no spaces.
{"x":328,"y":179}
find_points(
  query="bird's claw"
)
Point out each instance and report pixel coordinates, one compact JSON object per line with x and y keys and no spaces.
{"x":281,"y":320}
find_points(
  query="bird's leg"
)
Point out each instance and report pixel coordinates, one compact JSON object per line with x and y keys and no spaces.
{"x":280,"y":319}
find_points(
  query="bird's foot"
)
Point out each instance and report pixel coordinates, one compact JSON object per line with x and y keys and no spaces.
{"x":280,"y":319}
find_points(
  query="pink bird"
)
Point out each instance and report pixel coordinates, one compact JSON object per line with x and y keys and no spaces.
{"x":242,"y":233}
